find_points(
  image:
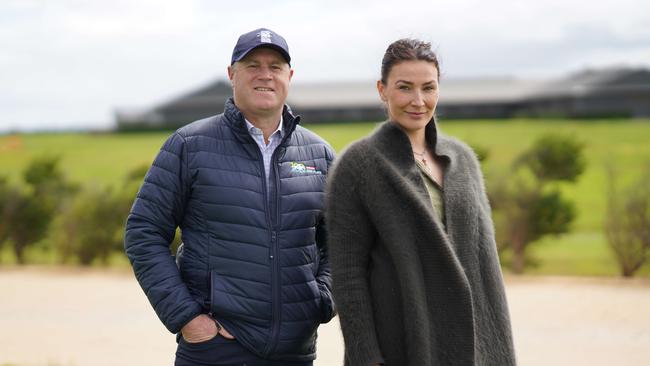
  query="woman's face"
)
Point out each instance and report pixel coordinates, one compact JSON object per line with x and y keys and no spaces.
{"x":411,"y":93}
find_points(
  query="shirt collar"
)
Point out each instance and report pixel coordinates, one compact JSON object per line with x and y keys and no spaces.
{"x":252,"y":129}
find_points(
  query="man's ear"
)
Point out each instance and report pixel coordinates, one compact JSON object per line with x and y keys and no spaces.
{"x":290,"y":73}
{"x":231,"y":72}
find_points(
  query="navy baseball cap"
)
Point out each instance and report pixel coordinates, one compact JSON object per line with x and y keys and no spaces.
{"x":262,"y":37}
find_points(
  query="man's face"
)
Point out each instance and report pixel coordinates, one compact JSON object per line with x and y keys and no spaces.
{"x":260,"y":82}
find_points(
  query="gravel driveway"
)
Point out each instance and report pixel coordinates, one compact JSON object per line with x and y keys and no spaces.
{"x":61,"y":317}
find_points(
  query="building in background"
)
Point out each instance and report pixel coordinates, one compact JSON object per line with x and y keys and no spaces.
{"x":614,"y":92}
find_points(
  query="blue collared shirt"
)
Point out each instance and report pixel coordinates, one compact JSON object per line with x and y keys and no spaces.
{"x":267,"y":150}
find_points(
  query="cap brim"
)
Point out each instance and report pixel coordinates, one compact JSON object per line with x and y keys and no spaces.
{"x":284,"y":53}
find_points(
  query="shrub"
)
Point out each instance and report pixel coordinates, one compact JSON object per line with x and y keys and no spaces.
{"x":627,"y":223}
{"x":527,"y":203}
{"x":26,"y":214}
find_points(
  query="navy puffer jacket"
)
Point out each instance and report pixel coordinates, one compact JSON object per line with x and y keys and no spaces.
{"x":255,"y":259}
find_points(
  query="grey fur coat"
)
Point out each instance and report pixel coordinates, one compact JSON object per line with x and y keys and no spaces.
{"x":409,"y":292}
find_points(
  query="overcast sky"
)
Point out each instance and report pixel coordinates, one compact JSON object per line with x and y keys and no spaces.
{"x":69,"y":64}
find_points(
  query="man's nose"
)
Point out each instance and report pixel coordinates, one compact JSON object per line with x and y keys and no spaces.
{"x":265,"y":73}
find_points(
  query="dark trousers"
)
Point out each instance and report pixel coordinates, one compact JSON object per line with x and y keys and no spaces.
{"x":220,"y":351}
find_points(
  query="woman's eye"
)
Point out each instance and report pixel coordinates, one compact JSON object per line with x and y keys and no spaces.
{"x":403,"y":87}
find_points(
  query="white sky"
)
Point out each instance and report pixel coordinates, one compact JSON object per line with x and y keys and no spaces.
{"x":70,"y":63}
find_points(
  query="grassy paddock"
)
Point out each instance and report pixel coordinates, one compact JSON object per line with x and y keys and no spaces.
{"x":104,"y":159}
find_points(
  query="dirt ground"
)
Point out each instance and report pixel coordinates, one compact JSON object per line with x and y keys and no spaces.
{"x":89,"y":317}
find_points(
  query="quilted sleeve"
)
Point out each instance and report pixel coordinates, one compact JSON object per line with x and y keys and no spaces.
{"x":150,"y":228}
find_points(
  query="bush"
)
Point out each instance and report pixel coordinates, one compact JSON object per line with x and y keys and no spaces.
{"x":26,"y":214}
{"x":527,"y":204}
{"x":91,"y":226}
{"x":627,"y":223}
{"x":554,"y":157}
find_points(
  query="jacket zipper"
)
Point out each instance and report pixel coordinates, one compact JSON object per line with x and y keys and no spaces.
{"x":275,"y":245}
{"x":274,"y":257}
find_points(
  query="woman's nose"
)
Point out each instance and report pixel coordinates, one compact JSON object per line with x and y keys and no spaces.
{"x":417,"y":100}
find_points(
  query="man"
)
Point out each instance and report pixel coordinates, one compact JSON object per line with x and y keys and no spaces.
{"x":251,"y":283}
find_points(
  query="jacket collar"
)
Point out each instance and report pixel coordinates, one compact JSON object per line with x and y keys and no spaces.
{"x":236,"y":121}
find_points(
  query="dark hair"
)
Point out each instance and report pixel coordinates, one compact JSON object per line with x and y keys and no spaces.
{"x":407,"y":50}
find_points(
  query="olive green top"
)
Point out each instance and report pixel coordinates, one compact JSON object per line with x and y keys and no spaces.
{"x":435,"y":194}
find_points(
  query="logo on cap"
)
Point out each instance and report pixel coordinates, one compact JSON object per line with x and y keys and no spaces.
{"x":265,"y":36}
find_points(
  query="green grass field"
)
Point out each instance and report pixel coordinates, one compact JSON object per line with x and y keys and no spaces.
{"x":103,"y":159}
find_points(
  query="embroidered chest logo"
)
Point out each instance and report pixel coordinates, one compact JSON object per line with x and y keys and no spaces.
{"x":300,"y":168}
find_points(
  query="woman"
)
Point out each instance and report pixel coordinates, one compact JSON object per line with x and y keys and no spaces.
{"x":414,"y":262}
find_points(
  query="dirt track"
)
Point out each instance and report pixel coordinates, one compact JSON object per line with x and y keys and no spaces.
{"x":78,"y":317}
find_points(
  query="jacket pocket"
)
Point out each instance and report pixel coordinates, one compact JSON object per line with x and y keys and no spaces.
{"x":236,"y":298}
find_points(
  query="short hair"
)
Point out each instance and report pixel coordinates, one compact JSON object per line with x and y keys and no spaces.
{"x":407,"y":49}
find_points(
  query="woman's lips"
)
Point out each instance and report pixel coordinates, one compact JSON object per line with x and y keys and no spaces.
{"x":416,"y":114}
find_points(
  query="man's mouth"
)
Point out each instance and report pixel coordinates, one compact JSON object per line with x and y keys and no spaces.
{"x":262,"y":89}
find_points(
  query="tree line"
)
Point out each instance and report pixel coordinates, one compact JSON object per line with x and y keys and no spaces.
{"x":85,"y":224}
